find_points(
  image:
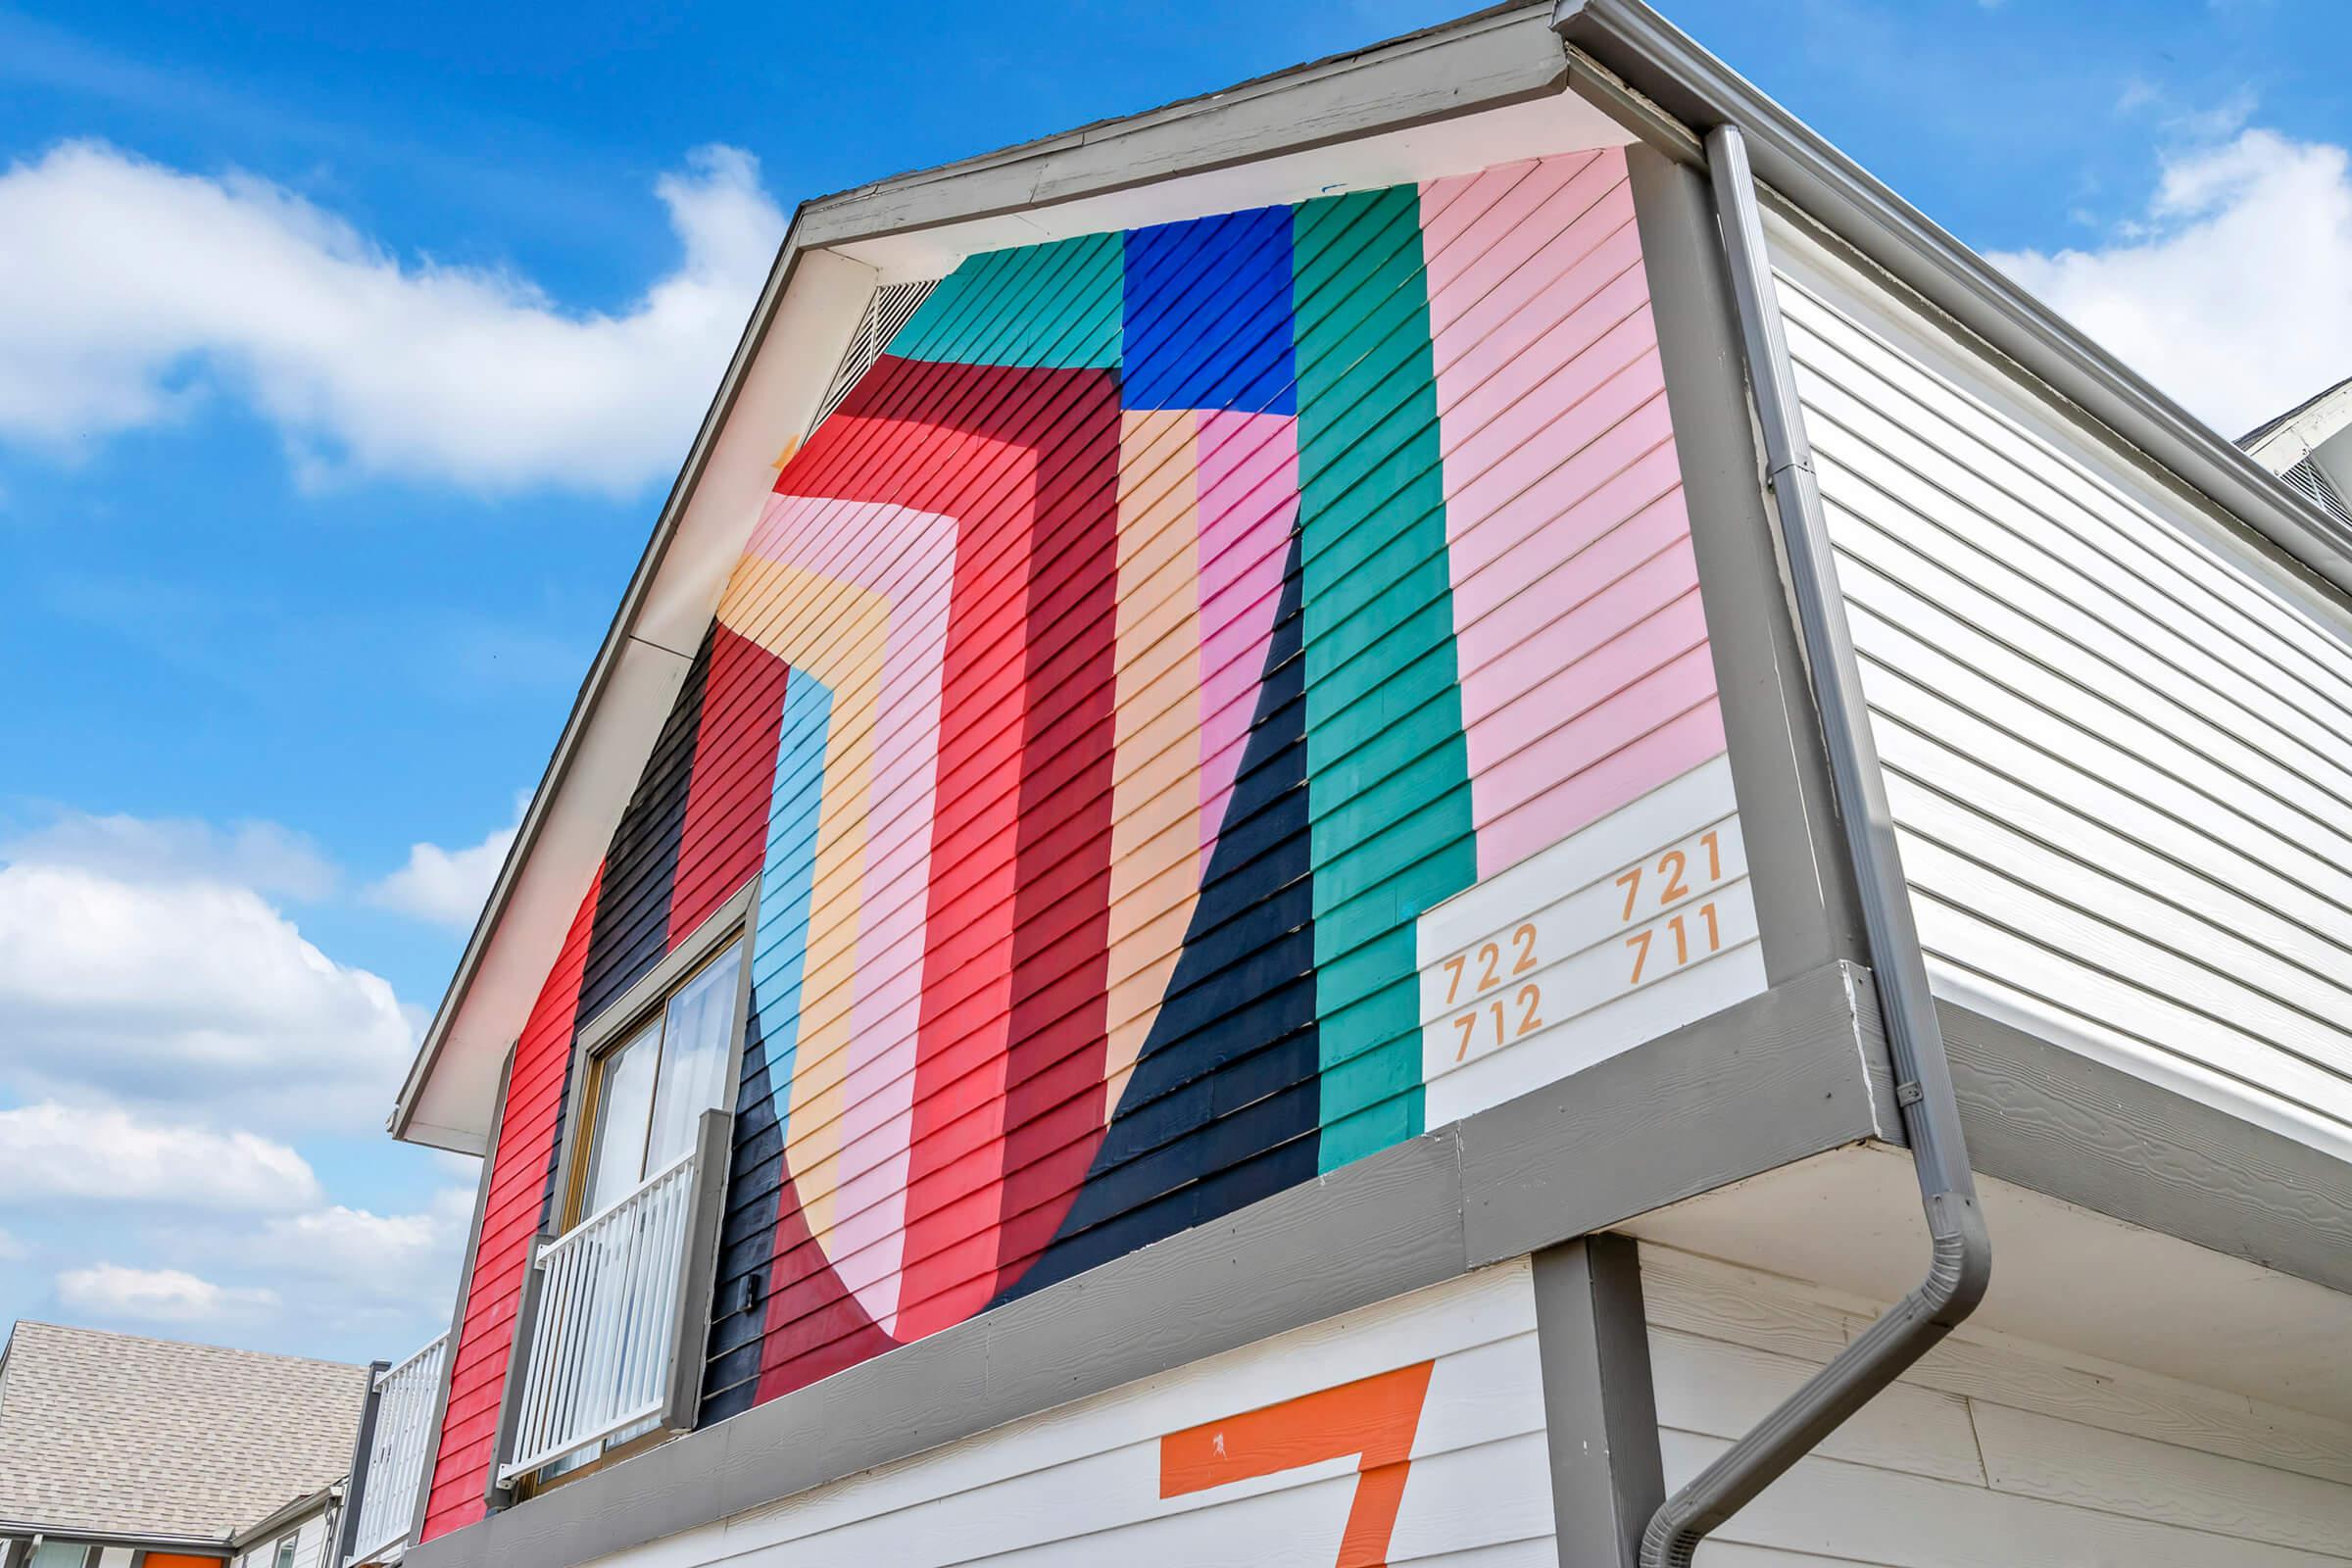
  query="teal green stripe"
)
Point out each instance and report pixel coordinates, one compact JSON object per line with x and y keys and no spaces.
{"x":1040,"y":307}
{"x":1388,"y":768}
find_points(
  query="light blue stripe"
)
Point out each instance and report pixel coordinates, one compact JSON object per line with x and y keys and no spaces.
{"x":788,"y":878}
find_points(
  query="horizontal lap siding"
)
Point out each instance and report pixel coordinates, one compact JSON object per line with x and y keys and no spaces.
{"x":1159,"y":629}
{"x":512,"y":1212}
{"x":2119,"y":763}
{"x":1983,"y":1454}
{"x":1254,"y":1456}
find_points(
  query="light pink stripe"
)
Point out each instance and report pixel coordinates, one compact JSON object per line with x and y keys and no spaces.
{"x":1249,"y":502}
{"x":1575,"y":661}
{"x":1577,"y":629}
{"x":1623,"y":722}
{"x":878,"y":1091}
{"x":1582,"y":799}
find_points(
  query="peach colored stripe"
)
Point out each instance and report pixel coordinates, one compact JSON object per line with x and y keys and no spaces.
{"x":784,"y":608}
{"x":855,"y":1127}
{"x":1248,"y":504}
{"x":1155,"y":794}
{"x":1576,"y":633}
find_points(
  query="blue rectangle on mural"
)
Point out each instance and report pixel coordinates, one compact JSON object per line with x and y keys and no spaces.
{"x":1208,"y":314}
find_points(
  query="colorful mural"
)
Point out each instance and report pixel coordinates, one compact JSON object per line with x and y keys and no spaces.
{"x":1164,"y":623}
{"x":1193,"y":709}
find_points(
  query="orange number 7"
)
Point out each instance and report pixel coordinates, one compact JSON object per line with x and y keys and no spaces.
{"x":1374,"y":1418}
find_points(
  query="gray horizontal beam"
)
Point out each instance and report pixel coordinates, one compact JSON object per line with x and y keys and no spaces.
{"x":1506,"y":56}
{"x":1784,"y":1075}
{"x":2042,"y":1116}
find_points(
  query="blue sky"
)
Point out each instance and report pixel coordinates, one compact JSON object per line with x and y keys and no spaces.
{"x":346,"y":353}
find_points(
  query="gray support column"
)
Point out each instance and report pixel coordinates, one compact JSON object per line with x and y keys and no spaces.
{"x":1601,"y":1417}
{"x":1805,"y":906}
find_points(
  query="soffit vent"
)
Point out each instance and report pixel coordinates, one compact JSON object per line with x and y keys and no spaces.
{"x":885,"y":314}
{"x":2310,"y":478}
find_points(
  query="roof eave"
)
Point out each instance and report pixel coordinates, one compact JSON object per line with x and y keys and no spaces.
{"x":401,"y":1122}
{"x":1478,"y":62}
{"x":1671,"y":77}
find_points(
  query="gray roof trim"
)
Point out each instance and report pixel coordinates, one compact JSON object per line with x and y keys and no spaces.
{"x":113,"y":1538}
{"x":1818,"y":182}
{"x":592,"y":688}
{"x":274,"y":1522}
{"x":1495,"y":57}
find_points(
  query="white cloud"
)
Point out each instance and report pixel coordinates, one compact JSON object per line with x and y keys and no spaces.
{"x":51,"y":1152}
{"x":448,"y":887}
{"x":156,"y":1296}
{"x":2233,"y":292}
{"x":364,"y":1258}
{"x":129,"y":290}
{"x":259,"y":855}
{"x":196,"y":995}
{"x":13,"y":1251}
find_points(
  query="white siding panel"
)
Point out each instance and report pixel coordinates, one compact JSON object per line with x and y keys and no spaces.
{"x":2119,"y":750}
{"x":1107,"y":1479}
{"x":1988,"y":1452}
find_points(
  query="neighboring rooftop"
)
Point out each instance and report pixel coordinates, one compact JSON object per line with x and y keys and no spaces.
{"x":121,"y":1434}
{"x":2310,"y":447}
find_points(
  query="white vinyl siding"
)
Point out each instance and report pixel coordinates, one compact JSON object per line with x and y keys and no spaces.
{"x":1088,"y":1484}
{"x":2118,"y":749}
{"x":1988,"y":1452}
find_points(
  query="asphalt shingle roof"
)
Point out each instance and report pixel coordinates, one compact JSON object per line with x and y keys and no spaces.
{"x":115,"y":1432}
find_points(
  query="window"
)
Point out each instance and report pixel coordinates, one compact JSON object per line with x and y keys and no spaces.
{"x":665,"y":1056}
{"x":653,"y":1087}
{"x":59,"y":1554}
{"x":286,"y":1553}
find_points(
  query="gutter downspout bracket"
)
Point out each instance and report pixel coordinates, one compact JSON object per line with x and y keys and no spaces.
{"x":1961,"y":1251}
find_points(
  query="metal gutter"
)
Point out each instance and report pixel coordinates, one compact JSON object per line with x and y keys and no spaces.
{"x":113,"y":1538}
{"x":1675,"y":79}
{"x":1960,"y":1263}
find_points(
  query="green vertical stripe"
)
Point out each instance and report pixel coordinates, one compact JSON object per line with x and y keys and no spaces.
{"x":1388,"y":781}
{"x":1040,"y":307}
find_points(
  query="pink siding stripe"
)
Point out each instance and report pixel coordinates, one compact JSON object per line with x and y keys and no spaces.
{"x":1585,"y":676}
{"x":879,"y":1093}
{"x":1248,"y":466}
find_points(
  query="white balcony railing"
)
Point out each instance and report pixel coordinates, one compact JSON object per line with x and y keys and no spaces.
{"x":598,"y":1358}
{"x":405,"y":1396}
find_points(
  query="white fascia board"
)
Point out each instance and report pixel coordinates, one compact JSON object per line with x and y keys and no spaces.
{"x":805,"y":315}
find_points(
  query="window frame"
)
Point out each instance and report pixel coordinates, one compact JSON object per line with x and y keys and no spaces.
{"x":625,"y":1015}
{"x":735,"y":921}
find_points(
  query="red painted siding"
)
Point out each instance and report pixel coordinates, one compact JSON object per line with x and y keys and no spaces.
{"x":518,"y":1186}
{"x":734,"y":767}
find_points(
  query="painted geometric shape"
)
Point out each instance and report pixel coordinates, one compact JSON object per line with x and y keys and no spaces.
{"x":1207,"y":312}
{"x":1041,"y":307}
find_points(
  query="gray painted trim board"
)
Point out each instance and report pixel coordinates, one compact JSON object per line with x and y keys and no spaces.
{"x":1803,"y":887}
{"x":1791,"y":1072}
{"x":1504,"y":55}
{"x":2046,"y":1117}
{"x":1600,"y":1413}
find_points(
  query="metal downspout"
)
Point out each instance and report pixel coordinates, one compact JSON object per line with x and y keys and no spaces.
{"x":1961,"y":1264}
